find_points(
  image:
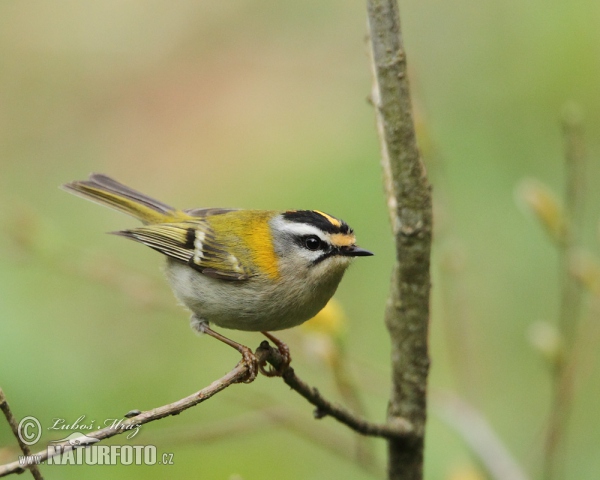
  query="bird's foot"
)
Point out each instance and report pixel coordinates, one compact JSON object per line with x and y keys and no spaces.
{"x":286,"y":358}
{"x":251,"y":362}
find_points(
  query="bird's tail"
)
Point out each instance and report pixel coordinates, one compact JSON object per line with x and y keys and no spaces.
{"x":106,"y":191}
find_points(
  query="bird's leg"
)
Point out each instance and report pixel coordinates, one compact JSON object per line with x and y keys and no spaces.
{"x":248,"y":357}
{"x":284,"y":351}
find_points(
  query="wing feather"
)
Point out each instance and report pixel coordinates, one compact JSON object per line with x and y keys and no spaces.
{"x":193,"y":243}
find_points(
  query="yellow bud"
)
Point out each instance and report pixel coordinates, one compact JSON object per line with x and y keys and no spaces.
{"x":542,"y":202}
{"x":329,"y":321}
{"x":321,"y":348}
{"x":586,"y":270}
{"x":546,"y":339}
{"x":466,"y":472}
{"x":323,"y":333}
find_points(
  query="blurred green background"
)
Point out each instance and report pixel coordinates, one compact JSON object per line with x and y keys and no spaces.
{"x":263,"y":104}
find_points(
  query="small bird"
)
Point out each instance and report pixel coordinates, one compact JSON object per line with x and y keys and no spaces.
{"x":253,"y":270}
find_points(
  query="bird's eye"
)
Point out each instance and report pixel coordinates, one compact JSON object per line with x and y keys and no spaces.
{"x":312,"y":242}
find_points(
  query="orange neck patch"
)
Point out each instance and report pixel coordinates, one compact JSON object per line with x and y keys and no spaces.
{"x":260,"y":243}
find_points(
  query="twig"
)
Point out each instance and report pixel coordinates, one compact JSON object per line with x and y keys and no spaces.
{"x":479,"y":435}
{"x":10,"y":418}
{"x":398,"y":428}
{"x":570,"y":306}
{"x":574,"y":191}
{"x":409,"y":204}
{"x":234,"y":376}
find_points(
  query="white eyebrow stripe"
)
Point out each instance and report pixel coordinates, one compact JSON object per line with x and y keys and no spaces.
{"x":302,"y":229}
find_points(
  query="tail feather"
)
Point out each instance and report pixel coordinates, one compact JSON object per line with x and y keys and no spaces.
{"x":106,"y":191}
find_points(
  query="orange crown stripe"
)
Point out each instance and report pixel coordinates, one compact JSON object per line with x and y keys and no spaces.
{"x":332,"y":220}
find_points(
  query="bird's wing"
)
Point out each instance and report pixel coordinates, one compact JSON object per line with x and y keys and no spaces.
{"x":208,"y":212}
{"x":194,"y":243}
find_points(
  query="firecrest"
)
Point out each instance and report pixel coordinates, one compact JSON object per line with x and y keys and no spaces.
{"x":254,"y":270}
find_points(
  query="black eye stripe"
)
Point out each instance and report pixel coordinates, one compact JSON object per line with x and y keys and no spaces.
{"x":325,"y":256}
{"x":301,"y":241}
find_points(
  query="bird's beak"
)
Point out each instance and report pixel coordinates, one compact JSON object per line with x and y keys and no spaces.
{"x":354,"y":251}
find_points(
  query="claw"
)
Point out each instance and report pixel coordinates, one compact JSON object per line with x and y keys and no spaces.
{"x":250,"y":360}
{"x":267,"y":370}
{"x":286,"y":358}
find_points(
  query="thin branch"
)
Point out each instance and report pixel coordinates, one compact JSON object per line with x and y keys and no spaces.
{"x":10,"y":418}
{"x":575,"y":159}
{"x":397,"y":428}
{"x":570,"y":306}
{"x":409,"y":203}
{"x":234,"y":376}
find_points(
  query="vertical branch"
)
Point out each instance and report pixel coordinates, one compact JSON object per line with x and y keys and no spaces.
{"x":574,"y":191}
{"x":10,"y":418}
{"x":409,"y":202}
{"x":570,"y":306}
